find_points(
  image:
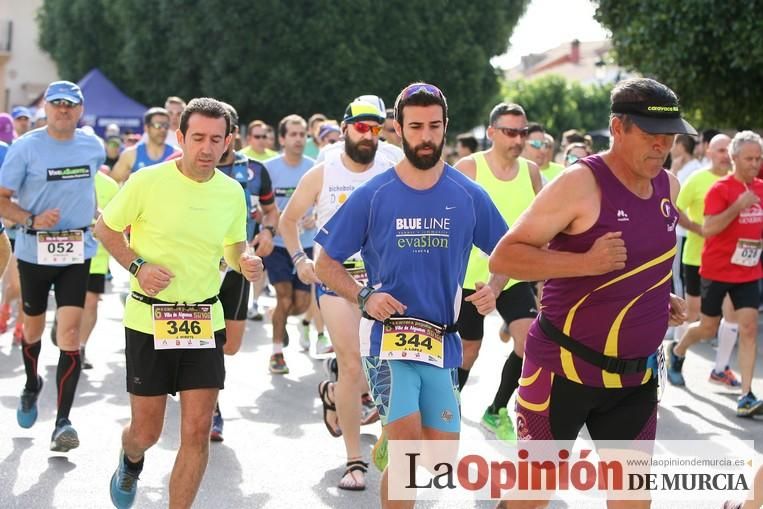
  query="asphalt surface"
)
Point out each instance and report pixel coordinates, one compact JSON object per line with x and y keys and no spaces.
{"x":277,"y":452}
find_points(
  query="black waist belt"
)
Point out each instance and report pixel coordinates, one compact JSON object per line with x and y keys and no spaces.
{"x":145,"y":299}
{"x":30,"y":231}
{"x":598,"y":359}
{"x":447,"y":328}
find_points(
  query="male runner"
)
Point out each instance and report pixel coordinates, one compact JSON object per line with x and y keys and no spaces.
{"x":512,"y":183}
{"x":730,"y":264}
{"x":602,"y":236}
{"x":234,"y":290}
{"x":51,"y":171}
{"x":327,"y":187}
{"x":414,"y":226}
{"x":185,"y":215}
{"x":154,"y":150}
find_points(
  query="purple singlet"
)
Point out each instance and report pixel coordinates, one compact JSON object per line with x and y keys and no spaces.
{"x":622,"y":313}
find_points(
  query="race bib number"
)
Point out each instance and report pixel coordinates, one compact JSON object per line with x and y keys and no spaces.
{"x":60,"y":248}
{"x":357,"y":270}
{"x":412,"y":339}
{"x":747,"y":253}
{"x":182,"y":326}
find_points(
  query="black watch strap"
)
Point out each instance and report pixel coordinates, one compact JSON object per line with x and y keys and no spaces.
{"x":363,"y":296}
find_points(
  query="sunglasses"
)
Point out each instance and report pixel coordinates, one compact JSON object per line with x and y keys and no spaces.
{"x":363,"y":128}
{"x":511,"y":132}
{"x":259,"y":136}
{"x":421,"y":87}
{"x":159,"y":125}
{"x":63,"y":103}
{"x":538,"y":144}
{"x":572,"y":158}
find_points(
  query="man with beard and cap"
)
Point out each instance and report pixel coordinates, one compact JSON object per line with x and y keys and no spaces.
{"x":414,"y":225}
{"x":327,"y":186}
{"x":512,"y":183}
{"x":602,"y":236}
{"x":234,"y":290}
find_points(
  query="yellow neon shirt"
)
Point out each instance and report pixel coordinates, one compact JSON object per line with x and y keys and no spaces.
{"x":182,"y":225}
{"x":105,"y":189}
{"x":551,"y":171}
{"x":511,"y":198}
{"x":251,"y":154}
{"x":691,"y":201}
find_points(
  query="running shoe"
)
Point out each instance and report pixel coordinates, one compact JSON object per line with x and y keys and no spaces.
{"x":216,"y":433}
{"x":369,"y":414}
{"x":725,"y":377}
{"x":504,"y":431}
{"x":331,"y":368}
{"x":490,"y":420}
{"x":379,"y":453}
{"x":85,"y":363}
{"x":304,"y":337}
{"x":64,"y":437}
{"x":124,"y":485}
{"x":26,"y":413}
{"x":675,"y":365}
{"x":748,"y":405}
{"x":278,"y":364}
{"x":323,"y":345}
{"x":254,"y":313}
{"x":5,"y":315}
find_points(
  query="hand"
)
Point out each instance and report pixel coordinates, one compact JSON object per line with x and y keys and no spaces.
{"x":383,"y":305}
{"x":308,"y":222}
{"x":483,"y":299}
{"x":46,"y":219}
{"x":153,"y":278}
{"x":251,"y":266}
{"x":608,"y":253}
{"x":747,"y":199}
{"x":306,"y":271}
{"x":263,"y":242}
{"x":678,"y":311}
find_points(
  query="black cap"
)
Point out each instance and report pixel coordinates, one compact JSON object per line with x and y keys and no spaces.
{"x":655,"y":117}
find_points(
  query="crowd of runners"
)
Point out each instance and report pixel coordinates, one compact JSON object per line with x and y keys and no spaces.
{"x":393,"y":251}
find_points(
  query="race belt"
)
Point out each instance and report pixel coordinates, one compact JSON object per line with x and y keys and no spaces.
{"x":413,"y":339}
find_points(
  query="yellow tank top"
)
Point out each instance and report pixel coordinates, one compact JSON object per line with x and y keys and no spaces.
{"x":511,"y":198}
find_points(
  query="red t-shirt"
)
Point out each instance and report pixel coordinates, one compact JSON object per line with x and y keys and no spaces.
{"x":719,"y":249}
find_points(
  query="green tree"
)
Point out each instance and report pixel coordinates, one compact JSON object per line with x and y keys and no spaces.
{"x":708,"y":52}
{"x":274,"y":57}
{"x":559,"y":104}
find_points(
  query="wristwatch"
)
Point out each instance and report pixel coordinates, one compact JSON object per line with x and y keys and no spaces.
{"x":271,"y":229}
{"x":136,"y":265}
{"x":29,"y":222}
{"x":363,"y":296}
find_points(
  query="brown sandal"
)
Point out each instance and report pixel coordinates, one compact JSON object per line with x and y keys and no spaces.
{"x":328,"y":406}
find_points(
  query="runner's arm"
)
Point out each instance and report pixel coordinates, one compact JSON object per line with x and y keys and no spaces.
{"x":115,"y":243}
{"x":304,"y":197}
{"x":232,"y":254}
{"x":335,"y":276}
{"x":467,"y":166}
{"x":535,"y":177}
{"x":122,"y":168}
{"x":10,"y":209}
{"x":521,"y":253}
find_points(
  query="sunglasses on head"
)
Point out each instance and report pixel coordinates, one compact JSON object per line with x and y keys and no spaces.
{"x":159,"y":125}
{"x":259,"y":136}
{"x":512,"y":132}
{"x":363,"y":128}
{"x":421,"y":87}
{"x":538,"y":144}
{"x":63,"y":103}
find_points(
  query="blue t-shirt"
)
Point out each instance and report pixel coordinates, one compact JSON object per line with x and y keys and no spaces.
{"x":142,"y":159}
{"x":255,"y":179}
{"x":415,"y":245}
{"x":285,"y":179}
{"x":3,"y":150}
{"x":45,"y":173}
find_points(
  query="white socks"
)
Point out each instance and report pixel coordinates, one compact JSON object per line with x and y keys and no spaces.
{"x":727,"y":338}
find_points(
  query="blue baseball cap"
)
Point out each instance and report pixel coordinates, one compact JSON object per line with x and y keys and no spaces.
{"x":20,"y":111}
{"x":65,"y":90}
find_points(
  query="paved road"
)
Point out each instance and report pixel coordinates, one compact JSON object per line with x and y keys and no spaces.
{"x":277,"y":453}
